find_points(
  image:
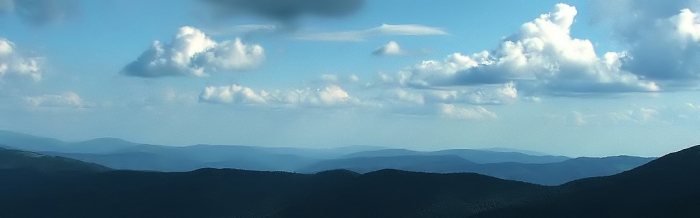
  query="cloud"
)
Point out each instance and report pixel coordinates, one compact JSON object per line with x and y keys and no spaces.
{"x":403,"y":96}
{"x":284,"y":10}
{"x":662,"y":37}
{"x":580,"y":119}
{"x":447,"y":103}
{"x":330,"y":96}
{"x":14,"y":65}
{"x":542,"y":57}
{"x":391,"y":48}
{"x":232,"y":94}
{"x":638,"y":116}
{"x":192,"y":53}
{"x":483,"y":95}
{"x":693,"y":106}
{"x":464,"y":113}
{"x":66,"y":100}
{"x":361,"y":35}
{"x":246,"y":30}
{"x":40,"y":12}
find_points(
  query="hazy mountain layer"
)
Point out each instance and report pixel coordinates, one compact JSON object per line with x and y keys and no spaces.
{"x":666,"y":187}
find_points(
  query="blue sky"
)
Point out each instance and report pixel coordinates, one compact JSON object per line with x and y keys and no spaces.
{"x":566,"y":77}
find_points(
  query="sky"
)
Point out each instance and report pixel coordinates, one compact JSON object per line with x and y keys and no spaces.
{"x":577,"y":78}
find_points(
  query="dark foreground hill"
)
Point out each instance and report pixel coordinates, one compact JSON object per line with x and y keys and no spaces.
{"x":666,"y":187}
{"x":236,"y":193}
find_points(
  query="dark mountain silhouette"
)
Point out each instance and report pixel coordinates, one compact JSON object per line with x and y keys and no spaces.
{"x":201,"y":193}
{"x":562,"y":172}
{"x":23,"y":168}
{"x":545,"y":174}
{"x":237,"y":193}
{"x":393,"y":193}
{"x":666,"y":187}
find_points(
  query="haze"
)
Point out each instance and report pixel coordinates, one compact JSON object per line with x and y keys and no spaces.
{"x":575,"y":78}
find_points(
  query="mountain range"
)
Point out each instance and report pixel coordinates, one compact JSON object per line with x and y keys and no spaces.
{"x":506,"y":164}
{"x":664,"y":187}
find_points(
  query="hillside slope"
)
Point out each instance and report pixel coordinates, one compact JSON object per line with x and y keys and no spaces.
{"x":665,"y":187}
{"x":544,"y":174}
{"x":16,"y":159}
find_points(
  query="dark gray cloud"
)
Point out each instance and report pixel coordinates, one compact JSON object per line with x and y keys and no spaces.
{"x":626,"y":16}
{"x":40,"y":12}
{"x":285,"y":10}
{"x":662,"y":37}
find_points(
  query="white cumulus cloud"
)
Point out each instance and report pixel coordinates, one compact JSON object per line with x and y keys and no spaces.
{"x":391,"y":48}
{"x":14,"y":65}
{"x":541,"y":55}
{"x":192,"y":53}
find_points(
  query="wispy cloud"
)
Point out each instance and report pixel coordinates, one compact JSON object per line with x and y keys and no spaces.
{"x":247,"y":29}
{"x":68,"y":99}
{"x":361,"y":35}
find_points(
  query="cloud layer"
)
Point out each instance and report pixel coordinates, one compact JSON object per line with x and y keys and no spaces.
{"x":330,"y":96}
{"x":285,"y":10}
{"x":14,"y":65}
{"x":192,"y":53}
{"x":663,"y":37}
{"x":39,"y":12}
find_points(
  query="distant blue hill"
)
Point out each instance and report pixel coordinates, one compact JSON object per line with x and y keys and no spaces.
{"x":124,"y":155}
{"x":474,"y":155}
{"x":545,"y":174}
